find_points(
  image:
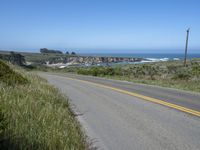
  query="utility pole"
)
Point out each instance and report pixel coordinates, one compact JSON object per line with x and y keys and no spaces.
{"x":186,"y":46}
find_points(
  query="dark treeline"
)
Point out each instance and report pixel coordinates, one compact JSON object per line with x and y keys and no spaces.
{"x":45,"y":50}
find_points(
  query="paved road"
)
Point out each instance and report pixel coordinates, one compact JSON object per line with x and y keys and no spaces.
{"x":120,"y":121}
{"x":186,"y":99}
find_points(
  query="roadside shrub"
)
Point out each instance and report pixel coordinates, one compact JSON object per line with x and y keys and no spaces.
{"x":139,"y":71}
{"x":171,"y":69}
{"x":83,"y":71}
{"x":97,"y":71}
{"x":181,"y":76}
{"x":118,"y":71}
{"x":196,"y":69}
{"x":2,"y":124}
{"x":109,"y":71}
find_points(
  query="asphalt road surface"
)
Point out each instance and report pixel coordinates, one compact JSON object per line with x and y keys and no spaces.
{"x":118,"y":121}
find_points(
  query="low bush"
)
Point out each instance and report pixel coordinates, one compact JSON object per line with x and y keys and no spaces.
{"x":196,"y":69}
{"x":181,"y":76}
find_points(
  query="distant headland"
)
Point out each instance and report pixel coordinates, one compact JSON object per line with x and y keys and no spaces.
{"x":56,"y":58}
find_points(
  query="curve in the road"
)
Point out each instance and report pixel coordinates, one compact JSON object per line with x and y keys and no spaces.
{"x":154,"y":100}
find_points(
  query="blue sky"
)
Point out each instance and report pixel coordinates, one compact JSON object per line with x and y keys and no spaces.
{"x":100,"y":26}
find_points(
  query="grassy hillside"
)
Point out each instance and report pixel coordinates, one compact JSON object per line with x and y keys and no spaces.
{"x":34,"y":115}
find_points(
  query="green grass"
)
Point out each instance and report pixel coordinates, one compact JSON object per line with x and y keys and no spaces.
{"x":34,"y":115}
{"x":193,"y":86}
{"x":168,"y":74}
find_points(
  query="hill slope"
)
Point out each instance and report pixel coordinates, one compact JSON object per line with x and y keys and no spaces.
{"x":34,"y":115}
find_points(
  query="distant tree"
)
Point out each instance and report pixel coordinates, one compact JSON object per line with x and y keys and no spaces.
{"x":73,"y":53}
{"x":67,"y":53}
{"x":45,"y":50}
{"x":58,"y":51}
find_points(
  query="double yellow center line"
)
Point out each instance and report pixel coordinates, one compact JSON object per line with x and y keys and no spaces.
{"x":154,"y":100}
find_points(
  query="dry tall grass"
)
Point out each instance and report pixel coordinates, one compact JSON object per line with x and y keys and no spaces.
{"x":36,"y":116}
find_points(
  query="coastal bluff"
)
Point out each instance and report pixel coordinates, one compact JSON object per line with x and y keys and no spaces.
{"x":63,"y":60}
{"x":90,"y":60}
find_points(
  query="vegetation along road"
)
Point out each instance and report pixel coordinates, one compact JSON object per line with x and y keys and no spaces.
{"x":121,"y":115}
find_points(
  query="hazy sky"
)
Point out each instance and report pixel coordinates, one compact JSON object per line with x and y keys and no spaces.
{"x":100,"y":25}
